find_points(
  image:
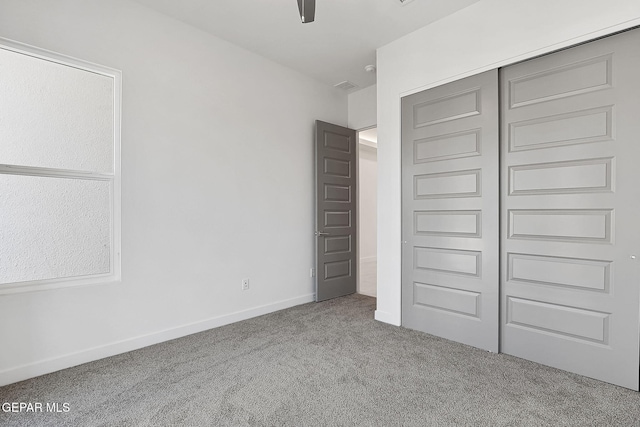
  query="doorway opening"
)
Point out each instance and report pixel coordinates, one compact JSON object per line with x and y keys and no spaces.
{"x":367,"y":200}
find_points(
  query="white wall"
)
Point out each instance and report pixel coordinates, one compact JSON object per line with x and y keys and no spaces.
{"x":484,"y":36}
{"x":368,"y":181}
{"x":362,"y":108}
{"x":367,"y":218}
{"x":217,"y":186}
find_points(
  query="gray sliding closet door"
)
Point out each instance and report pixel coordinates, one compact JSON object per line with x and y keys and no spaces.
{"x":570,"y":209}
{"x":450,"y":211}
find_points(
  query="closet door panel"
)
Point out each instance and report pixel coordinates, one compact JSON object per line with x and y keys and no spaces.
{"x":450,"y":211}
{"x":570,"y":203}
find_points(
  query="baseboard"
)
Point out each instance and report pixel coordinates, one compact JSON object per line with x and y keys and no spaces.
{"x":369,"y":294}
{"x":24,"y":372}
{"x":384,"y":317}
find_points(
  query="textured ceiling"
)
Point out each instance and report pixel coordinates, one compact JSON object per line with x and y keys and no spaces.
{"x":334,"y":48}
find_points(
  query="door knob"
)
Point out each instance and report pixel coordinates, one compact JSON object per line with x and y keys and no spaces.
{"x":321,"y":233}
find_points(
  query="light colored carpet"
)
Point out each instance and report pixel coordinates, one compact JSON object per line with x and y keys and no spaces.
{"x":319,"y":364}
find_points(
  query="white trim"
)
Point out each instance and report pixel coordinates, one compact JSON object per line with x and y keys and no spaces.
{"x":63,"y":282}
{"x":367,"y":259}
{"x":31,"y":370}
{"x":367,"y":128}
{"x":380,"y":316}
{"x":114,"y":178}
{"x":116,"y":232}
{"x":59,"y":58}
{"x":54,"y":173}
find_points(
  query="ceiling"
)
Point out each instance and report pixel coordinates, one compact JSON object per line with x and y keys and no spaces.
{"x":336,"y":47}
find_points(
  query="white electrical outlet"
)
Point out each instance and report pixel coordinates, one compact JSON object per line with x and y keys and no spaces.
{"x":312,"y":272}
{"x":245,"y":284}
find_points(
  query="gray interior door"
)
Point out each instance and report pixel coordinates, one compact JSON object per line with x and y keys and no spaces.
{"x":571,"y":204}
{"x":450,"y":211}
{"x":336,"y":215}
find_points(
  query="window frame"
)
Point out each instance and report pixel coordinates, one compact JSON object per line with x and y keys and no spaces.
{"x":114,"y":179}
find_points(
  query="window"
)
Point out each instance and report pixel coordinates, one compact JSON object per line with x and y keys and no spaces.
{"x":59,"y":170}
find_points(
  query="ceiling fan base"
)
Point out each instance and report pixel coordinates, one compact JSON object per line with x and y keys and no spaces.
{"x":307,"y":9}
